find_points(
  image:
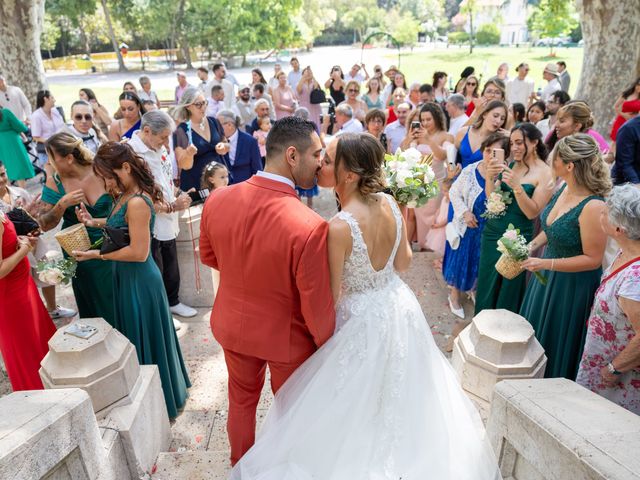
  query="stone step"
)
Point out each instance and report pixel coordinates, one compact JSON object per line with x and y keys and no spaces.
{"x":198,"y":465}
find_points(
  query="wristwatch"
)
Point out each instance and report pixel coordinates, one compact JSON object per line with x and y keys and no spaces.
{"x":612,"y":369}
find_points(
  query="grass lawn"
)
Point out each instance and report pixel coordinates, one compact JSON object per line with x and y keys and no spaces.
{"x":421,"y":65}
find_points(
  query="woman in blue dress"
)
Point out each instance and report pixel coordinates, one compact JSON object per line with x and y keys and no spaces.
{"x":198,"y":140}
{"x":141,"y":305}
{"x":469,"y":139}
{"x":462,"y":250}
{"x":131,"y":110}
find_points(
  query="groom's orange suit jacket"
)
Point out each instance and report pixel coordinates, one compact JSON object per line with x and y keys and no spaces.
{"x":274,"y":301}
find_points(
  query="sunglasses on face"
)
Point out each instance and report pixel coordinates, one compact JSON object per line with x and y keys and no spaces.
{"x":204,"y":103}
{"x":353,"y":90}
{"x":87,"y":117}
{"x":471,"y":84}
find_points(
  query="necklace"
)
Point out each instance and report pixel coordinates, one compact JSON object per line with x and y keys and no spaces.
{"x":201,"y":124}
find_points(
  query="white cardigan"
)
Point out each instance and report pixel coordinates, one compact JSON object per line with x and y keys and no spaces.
{"x":462,"y":195}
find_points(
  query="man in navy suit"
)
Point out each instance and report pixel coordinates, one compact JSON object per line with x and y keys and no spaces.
{"x":244,"y":155}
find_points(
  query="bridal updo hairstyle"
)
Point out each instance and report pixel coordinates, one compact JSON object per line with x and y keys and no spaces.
{"x":112,"y":155}
{"x":589,"y":171}
{"x":64,"y":144}
{"x":362,"y":154}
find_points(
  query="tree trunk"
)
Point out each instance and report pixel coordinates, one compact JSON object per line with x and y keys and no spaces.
{"x":470,"y":31}
{"x":186,"y":51}
{"x":112,"y":36}
{"x":611,"y":54}
{"x":86,"y":45}
{"x":20,"y":59}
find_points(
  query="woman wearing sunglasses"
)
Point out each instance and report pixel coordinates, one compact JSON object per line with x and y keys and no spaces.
{"x":359,"y":107}
{"x":198,"y":140}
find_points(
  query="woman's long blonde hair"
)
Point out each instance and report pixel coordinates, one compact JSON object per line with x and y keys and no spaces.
{"x":589,"y":171}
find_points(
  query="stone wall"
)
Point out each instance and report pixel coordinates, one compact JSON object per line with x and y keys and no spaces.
{"x":554,"y":429}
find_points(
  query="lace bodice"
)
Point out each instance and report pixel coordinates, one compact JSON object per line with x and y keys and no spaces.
{"x":359,"y":275}
{"x":563,"y":235}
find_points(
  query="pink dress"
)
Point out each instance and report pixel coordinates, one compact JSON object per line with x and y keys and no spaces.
{"x":258,"y":134}
{"x":436,"y":238}
{"x":608,"y":333}
{"x":286,"y":98}
{"x":426,"y":215}
{"x":305,"y":101}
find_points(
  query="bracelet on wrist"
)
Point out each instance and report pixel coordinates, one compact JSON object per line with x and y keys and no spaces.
{"x":612,"y":369}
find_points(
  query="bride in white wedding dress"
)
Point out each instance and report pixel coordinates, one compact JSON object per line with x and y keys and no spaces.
{"x":378,"y":400}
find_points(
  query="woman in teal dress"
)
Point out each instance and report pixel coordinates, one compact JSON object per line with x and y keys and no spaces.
{"x":12,"y":151}
{"x":572,"y":260}
{"x":71,"y":181}
{"x":529,"y":183}
{"x":141,"y":304}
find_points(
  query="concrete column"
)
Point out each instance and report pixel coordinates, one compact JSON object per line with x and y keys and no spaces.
{"x":497,"y":345}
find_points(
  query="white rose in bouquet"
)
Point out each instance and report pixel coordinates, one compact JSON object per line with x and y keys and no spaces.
{"x":412,"y":156}
{"x":403,"y":175}
{"x":412,"y":204}
{"x":52,"y":276}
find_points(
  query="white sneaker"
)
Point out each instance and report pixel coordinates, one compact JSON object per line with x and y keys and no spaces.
{"x":458,"y":312}
{"x":61,"y":312}
{"x":177,"y":325}
{"x":183,"y":310}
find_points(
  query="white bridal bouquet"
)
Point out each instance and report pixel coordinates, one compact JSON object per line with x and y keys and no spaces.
{"x":54,"y":269}
{"x":514,"y":249}
{"x":410,"y":177}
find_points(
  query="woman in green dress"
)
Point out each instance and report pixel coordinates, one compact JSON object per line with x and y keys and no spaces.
{"x":575,"y":243}
{"x":141,"y":304}
{"x":70,"y":182}
{"x":12,"y":151}
{"x":529,"y":183}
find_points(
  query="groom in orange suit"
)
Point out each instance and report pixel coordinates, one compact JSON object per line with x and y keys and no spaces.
{"x":274,"y":304}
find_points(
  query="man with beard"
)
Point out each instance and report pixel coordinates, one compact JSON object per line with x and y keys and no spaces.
{"x":555,"y":102}
{"x":243,"y":107}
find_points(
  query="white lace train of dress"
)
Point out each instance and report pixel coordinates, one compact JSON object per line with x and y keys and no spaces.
{"x":377,"y":401}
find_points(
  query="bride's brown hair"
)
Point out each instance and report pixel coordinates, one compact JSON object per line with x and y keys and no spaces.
{"x":362,"y":154}
{"x":112,"y":155}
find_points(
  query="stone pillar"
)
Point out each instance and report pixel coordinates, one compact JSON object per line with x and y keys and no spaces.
{"x":51,"y":434}
{"x":126,"y":397}
{"x":554,"y":429}
{"x":190,"y":266}
{"x":497,"y":345}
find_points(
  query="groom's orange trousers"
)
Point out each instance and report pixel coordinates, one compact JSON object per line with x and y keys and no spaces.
{"x":246,"y":379}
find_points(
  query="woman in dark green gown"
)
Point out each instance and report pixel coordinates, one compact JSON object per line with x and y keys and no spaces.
{"x":572,"y":260}
{"x":530,"y":185}
{"x":141,"y":305}
{"x":71,"y":164}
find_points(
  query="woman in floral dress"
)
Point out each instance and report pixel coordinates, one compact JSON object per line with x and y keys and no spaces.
{"x":610,"y":364}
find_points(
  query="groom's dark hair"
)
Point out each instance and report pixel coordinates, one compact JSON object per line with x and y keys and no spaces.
{"x":288,"y":132}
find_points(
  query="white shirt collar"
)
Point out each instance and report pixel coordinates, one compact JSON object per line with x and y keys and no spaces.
{"x":276,"y":178}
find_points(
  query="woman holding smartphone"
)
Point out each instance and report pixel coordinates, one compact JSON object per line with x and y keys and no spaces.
{"x":428,"y":134}
{"x":528,"y":182}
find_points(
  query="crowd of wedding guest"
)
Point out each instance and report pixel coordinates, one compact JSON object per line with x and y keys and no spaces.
{"x":537,"y":148}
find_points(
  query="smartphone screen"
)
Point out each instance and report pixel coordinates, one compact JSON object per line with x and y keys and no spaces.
{"x":415,"y":125}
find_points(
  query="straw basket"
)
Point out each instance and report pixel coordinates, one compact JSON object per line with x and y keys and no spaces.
{"x":508,"y":267}
{"x":74,"y":238}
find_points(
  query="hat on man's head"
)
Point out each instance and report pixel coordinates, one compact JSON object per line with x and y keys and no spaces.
{"x":181,"y":74}
{"x":552,"y":68}
{"x":392,"y":68}
{"x":244,"y":87}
